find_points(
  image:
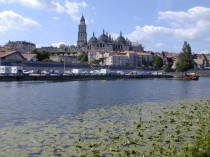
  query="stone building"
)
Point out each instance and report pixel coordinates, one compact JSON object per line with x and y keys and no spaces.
{"x":21,"y":46}
{"x":129,"y":58}
{"x":9,"y":55}
{"x":103,"y":43}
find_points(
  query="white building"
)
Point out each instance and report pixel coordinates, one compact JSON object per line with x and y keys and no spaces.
{"x":118,"y":60}
{"x":129,"y":58}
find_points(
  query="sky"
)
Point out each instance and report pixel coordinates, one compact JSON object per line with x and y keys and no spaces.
{"x":159,"y":25}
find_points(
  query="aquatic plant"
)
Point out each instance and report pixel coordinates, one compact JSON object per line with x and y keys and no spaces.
{"x":168,"y":129}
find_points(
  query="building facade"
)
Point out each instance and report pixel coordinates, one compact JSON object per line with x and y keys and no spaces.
{"x":129,"y":58}
{"x":104,"y":42}
{"x":21,"y":46}
{"x":82,"y":33}
{"x":8,"y":55}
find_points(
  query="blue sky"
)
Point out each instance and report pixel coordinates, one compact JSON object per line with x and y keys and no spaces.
{"x":159,"y":25}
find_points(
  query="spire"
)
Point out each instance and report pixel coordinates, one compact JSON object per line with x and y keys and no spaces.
{"x":103,"y":31}
{"x":120,"y":33}
{"x":82,"y":19}
{"x":93,"y":34}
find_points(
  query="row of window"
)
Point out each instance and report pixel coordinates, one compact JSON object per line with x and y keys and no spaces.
{"x":81,"y":35}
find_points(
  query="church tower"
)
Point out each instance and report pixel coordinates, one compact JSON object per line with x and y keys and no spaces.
{"x":82,"y":34}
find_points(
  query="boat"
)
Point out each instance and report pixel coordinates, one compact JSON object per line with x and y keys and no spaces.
{"x":191,"y":76}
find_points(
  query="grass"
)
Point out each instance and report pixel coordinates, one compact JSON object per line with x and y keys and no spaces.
{"x":169,"y":129}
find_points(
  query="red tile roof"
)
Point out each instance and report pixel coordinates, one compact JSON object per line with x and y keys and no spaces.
{"x":28,"y":55}
{"x":6,"y":53}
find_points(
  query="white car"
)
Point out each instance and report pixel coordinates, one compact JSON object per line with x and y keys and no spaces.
{"x":25,"y":72}
{"x":45,"y":72}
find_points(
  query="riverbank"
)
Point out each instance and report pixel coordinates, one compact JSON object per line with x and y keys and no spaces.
{"x":40,"y":77}
{"x":172,"y":129}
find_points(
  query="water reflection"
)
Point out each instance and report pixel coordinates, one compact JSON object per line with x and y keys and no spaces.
{"x":48,"y":100}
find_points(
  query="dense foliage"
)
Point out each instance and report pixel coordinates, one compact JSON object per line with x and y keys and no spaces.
{"x":83,"y":57}
{"x":157,"y":62}
{"x":41,"y":55}
{"x":185,"y":61}
{"x":101,"y":60}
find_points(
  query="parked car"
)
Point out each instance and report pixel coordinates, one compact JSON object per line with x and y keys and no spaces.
{"x":120,"y":72}
{"x":25,"y":72}
{"x":45,"y":72}
{"x":56,"y":72}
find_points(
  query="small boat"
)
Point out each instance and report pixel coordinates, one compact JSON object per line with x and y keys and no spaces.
{"x":191,"y":76}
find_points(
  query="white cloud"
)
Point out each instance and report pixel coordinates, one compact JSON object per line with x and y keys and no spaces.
{"x":114,"y":35}
{"x":58,"y":44}
{"x":198,"y":17}
{"x":11,"y":20}
{"x":28,"y":3}
{"x":73,"y":7}
{"x":191,"y":25}
{"x":69,"y":7}
{"x":204,"y":52}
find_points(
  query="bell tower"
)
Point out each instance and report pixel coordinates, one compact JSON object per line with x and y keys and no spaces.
{"x":82,"y":34}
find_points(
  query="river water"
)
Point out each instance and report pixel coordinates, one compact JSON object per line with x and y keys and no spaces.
{"x":44,"y":100}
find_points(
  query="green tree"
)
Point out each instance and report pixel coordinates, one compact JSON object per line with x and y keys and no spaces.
{"x":185,"y":60}
{"x":157,"y":62}
{"x":97,"y":61}
{"x":83,"y":57}
{"x":41,"y":55}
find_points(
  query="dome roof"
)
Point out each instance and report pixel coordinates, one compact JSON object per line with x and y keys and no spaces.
{"x":72,"y":46}
{"x":93,"y":39}
{"x":121,"y":39}
{"x":103,"y":37}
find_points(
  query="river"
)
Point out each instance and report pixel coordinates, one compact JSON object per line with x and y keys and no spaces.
{"x":48,"y":100}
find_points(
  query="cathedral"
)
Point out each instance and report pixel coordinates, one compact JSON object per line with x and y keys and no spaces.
{"x":103,"y":43}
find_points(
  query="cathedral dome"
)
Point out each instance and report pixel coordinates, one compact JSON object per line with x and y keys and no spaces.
{"x":121,"y":39}
{"x":93,"y":39}
{"x":72,"y":46}
{"x":103,"y":37}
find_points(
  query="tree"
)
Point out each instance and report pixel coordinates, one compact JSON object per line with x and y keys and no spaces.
{"x":97,"y":61}
{"x":185,"y":60}
{"x":83,"y":57}
{"x":41,"y":55}
{"x":157,"y":62}
{"x":182,"y":66}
